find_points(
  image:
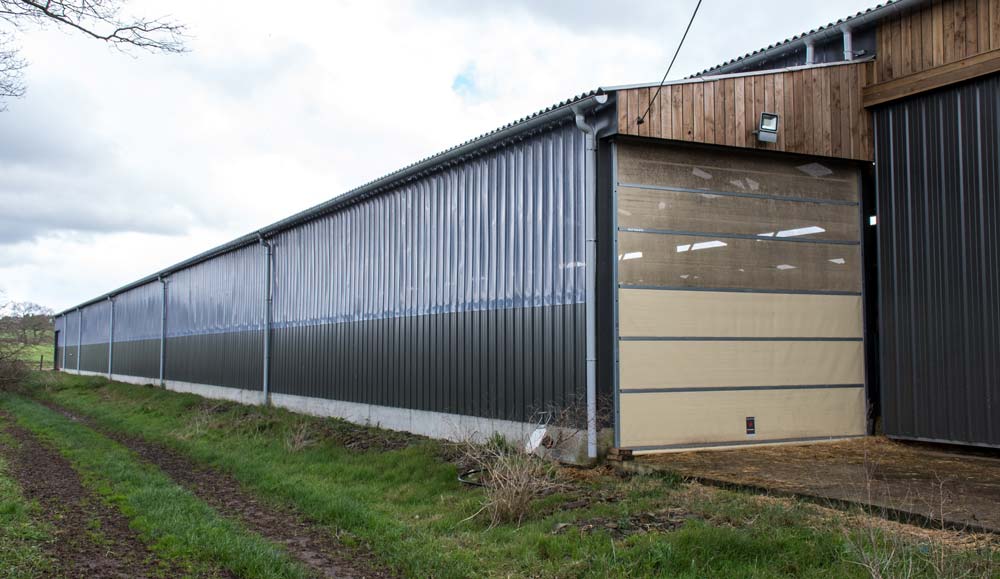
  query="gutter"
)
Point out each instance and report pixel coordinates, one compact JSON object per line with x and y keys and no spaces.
{"x":553,"y":116}
{"x":717,"y":77}
{"x":842,"y":28}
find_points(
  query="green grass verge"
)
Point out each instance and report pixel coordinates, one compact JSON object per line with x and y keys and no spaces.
{"x":408,"y":507}
{"x":21,"y":536}
{"x":180,"y":527}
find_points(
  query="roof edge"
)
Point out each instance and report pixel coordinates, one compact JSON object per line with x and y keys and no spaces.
{"x":870,"y":16}
{"x":715,"y":77}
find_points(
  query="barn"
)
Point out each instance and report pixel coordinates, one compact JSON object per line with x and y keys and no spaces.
{"x":797,"y":245}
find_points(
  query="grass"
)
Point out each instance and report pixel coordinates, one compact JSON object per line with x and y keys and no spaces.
{"x":31,"y":355}
{"x":180,"y":527}
{"x":21,"y":536}
{"x":408,"y":507}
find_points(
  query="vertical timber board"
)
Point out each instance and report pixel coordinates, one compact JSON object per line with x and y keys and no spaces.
{"x":938,"y":33}
{"x":819,"y":109}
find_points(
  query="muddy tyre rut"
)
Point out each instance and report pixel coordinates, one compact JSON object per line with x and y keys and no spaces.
{"x":90,"y":538}
{"x":309,"y":543}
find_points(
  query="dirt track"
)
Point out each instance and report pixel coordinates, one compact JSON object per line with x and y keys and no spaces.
{"x":91,"y":539}
{"x":313,"y":546}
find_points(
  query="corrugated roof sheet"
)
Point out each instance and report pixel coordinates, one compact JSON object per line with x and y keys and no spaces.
{"x":795,"y":38}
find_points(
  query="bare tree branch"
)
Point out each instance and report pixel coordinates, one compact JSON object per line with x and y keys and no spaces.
{"x":11,"y":71}
{"x":102,"y":20}
{"x":98,"y":19}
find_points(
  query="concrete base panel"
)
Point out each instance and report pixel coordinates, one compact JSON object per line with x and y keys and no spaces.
{"x":84,"y":372}
{"x":571,"y":444}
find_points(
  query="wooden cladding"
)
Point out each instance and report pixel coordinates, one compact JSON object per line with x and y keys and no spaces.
{"x":819,"y":109}
{"x":938,"y":44}
{"x":959,"y":71}
{"x":936,"y":34}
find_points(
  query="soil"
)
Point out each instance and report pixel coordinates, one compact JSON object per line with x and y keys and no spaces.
{"x":314,"y":547}
{"x":930,"y":485}
{"x":91,"y":539}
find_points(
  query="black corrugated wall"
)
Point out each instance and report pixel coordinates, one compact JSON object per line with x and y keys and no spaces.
{"x":937,"y":165}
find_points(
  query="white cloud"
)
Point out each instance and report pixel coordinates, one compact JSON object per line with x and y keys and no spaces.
{"x":116,"y":166}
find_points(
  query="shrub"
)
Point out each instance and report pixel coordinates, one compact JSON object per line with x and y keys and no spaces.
{"x":512,"y":479}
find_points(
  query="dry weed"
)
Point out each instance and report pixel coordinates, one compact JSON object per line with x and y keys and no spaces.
{"x":300,"y":437}
{"x":198,"y":424}
{"x":883,"y":553}
{"x":512,"y":479}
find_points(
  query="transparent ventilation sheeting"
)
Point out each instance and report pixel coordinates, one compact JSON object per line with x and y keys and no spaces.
{"x":692,"y":168}
{"x":705,"y":262}
{"x":709,"y":213}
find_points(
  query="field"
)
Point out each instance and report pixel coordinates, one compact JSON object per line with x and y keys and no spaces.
{"x":105,"y":479}
{"x":32,"y":354}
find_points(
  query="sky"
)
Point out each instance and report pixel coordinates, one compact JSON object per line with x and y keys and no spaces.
{"x":116,"y":165}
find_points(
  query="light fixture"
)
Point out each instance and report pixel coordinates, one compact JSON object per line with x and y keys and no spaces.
{"x":767,"y":130}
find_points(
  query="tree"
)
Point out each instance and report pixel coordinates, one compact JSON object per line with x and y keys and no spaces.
{"x":28,"y":322}
{"x":12,"y":368}
{"x":102,"y":20}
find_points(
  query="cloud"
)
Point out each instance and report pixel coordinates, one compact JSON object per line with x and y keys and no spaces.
{"x":633,"y":17}
{"x":466,"y":85}
{"x":113,"y":166}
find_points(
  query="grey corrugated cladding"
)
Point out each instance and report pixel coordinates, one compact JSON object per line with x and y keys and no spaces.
{"x":137,"y":331}
{"x":96,"y":318}
{"x":938,"y":160}
{"x":137,"y":313}
{"x":459,"y":289}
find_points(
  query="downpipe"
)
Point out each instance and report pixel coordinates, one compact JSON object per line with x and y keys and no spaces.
{"x":111,"y":337}
{"x":65,"y":341}
{"x":79,"y":339}
{"x":592,"y":132}
{"x":163,"y":331}
{"x":268,"y":261}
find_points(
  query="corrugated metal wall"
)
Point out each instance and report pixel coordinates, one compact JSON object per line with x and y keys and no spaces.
{"x":95,"y":335}
{"x":460,"y":291}
{"x":137,"y":331}
{"x":72,"y":338}
{"x":215,"y":317}
{"x":937,"y":167}
{"x":60,"y":342}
